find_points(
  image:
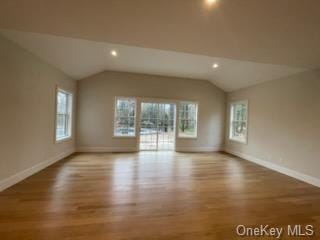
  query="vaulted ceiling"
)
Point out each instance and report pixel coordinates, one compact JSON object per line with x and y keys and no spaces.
{"x":81,"y":58}
{"x":277,"y":32}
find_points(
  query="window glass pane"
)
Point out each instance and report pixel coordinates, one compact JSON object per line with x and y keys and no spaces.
{"x":239,"y":130}
{"x":61,"y":130}
{"x":132,"y":108}
{"x":62,"y":103}
{"x":240,"y":112}
{"x":238,"y":122}
{"x":187,"y":128}
{"x":188,"y":120}
{"x":125,"y":117}
{"x":63,"y":117}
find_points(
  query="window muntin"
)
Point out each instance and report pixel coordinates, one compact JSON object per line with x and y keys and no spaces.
{"x":125,"y":117}
{"x":63,"y":115}
{"x":188,"y":113}
{"x":239,"y":121}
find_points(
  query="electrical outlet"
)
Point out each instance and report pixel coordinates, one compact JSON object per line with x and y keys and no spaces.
{"x":281,"y":160}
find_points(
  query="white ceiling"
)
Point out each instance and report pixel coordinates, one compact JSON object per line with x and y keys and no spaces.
{"x":283,"y":32}
{"x":81,"y":58}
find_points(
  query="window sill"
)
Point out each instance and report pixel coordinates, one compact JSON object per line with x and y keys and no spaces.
{"x":190,"y":138}
{"x":238,"y":141}
{"x":130,"y":137}
{"x":65,"y":139}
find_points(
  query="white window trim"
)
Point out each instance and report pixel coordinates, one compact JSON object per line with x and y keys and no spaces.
{"x":115,"y":116}
{"x":246,"y":102}
{"x":178,"y":120}
{"x":67,"y":138}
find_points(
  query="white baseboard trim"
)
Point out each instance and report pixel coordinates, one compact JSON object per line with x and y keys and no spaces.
{"x":289,"y":172}
{"x":18,"y":177}
{"x":106,"y":149}
{"x":134,"y":149}
{"x":199,"y":149}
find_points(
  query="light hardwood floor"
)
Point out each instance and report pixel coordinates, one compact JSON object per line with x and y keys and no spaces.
{"x":153,"y":196}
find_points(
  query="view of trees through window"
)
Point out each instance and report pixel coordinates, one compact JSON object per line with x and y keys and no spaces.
{"x":63,"y":118}
{"x":157,"y":130}
{"x":238,"y":128}
{"x":188,"y":119}
{"x":163,"y":118}
{"x":157,"y":121}
{"x":125,"y":115}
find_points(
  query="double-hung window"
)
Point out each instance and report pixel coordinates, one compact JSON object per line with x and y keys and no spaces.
{"x":125,"y":117}
{"x":239,"y":121}
{"x":188,"y":113}
{"x":63,"y":115}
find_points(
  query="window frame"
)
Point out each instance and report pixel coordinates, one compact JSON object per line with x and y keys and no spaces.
{"x":70,"y":112}
{"x":231,"y":106}
{"x":115,"y":117}
{"x":178,"y":120}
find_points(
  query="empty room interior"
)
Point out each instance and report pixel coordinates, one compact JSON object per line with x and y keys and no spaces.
{"x":141,"y":120}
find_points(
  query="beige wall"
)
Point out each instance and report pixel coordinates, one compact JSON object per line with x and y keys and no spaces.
{"x":96,"y":96}
{"x":27,"y":103}
{"x":284,"y":122}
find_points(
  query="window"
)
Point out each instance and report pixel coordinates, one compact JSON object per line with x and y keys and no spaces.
{"x":125,"y":117}
{"x":188,"y":119}
{"x":239,"y":121}
{"x":63,"y":115}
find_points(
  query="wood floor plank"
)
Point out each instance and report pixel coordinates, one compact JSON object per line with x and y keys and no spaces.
{"x":154,"y":195}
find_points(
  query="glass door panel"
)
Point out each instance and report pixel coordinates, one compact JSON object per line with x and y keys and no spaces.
{"x":166,"y":129}
{"x":149,"y":126}
{"x":157,"y":126}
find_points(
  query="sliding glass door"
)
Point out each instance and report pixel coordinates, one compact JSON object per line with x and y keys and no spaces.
{"x":157,"y":126}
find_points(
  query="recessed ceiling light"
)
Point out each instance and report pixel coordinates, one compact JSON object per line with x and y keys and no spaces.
{"x":114,"y":53}
{"x":215,"y":65}
{"x":210,"y":2}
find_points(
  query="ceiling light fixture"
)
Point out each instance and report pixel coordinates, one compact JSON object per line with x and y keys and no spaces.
{"x":215,"y":65}
{"x":114,"y":53}
{"x":210,"y":2}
